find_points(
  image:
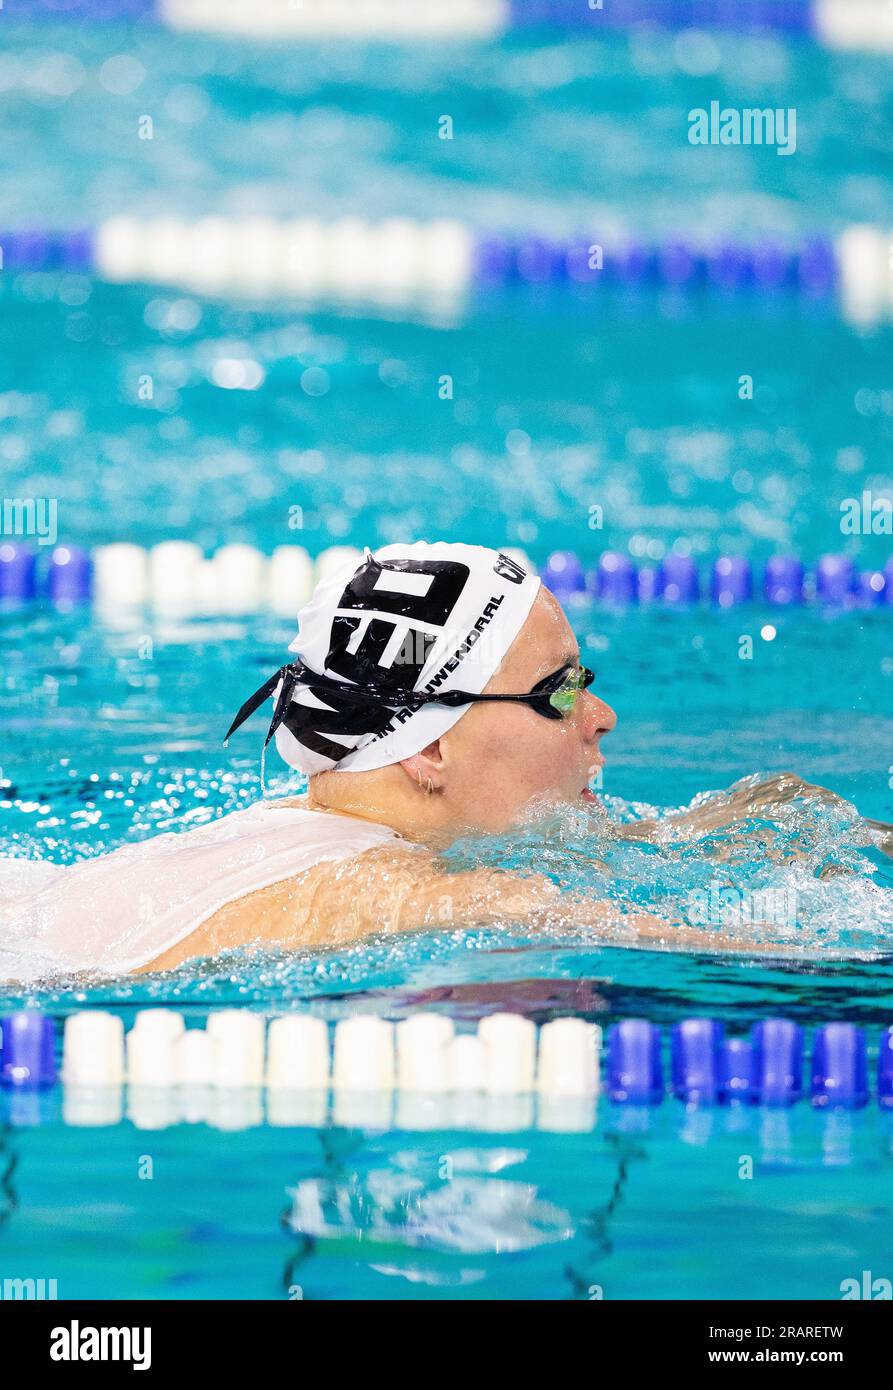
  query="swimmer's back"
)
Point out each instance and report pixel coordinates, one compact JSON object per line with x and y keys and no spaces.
{"x":140,"y":905}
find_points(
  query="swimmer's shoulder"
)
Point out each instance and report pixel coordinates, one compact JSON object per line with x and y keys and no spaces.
{"x":331,"y":824}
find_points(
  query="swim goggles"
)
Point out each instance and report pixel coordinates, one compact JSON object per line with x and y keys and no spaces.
{"x":553,"y":697}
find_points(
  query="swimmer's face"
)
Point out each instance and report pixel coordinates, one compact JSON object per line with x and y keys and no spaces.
{"x":500,"y":760}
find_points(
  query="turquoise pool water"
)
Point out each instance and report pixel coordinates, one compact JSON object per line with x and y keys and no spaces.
{"x":561,"y":403}
{"x":636,"y":1212}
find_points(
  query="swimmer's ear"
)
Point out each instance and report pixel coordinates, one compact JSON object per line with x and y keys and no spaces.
{"x":425,"y":769}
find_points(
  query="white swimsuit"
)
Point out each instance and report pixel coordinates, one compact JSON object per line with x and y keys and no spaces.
{"x":111,"y":914}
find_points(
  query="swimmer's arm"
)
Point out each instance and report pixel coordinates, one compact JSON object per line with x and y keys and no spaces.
{"x":740,"y":804}
{"x":383,"y":891}
{"x":729,"y":808}
{"x":386,"y":892}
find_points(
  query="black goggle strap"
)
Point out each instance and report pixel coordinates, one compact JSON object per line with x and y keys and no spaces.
{"x":356,"y":693}
{"x":414,"y":700}
{"x":538,"y":696}
{"x":294,"y":674}
{"x":289,"y":675}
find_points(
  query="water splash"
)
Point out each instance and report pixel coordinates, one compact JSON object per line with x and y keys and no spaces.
{"x":795,"y":866}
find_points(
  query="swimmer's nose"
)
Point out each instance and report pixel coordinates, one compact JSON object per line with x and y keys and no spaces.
{"x":598,"y":717}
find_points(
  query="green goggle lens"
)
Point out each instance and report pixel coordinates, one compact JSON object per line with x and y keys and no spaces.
{"x":564,"y":699}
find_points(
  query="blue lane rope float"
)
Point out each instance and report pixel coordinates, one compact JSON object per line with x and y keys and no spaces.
{"x":676,"y":581}
{"x":634,"y":1069}
{"x":767,"y":1069}
{"x":778,"y":1061}
{"x":747,"y":16}
{"x":695,"y":1048}
{"x":885,"y":1070}
{"x":811,"y":267}
{"x":507,"y":1055}
{"x":65,"y":577}
{"x":241,"y":579}
{"x":840,"y":1067}
{"x":844,"y":24}
{"x":736,"y":1071}
{"x":27,"y":1050}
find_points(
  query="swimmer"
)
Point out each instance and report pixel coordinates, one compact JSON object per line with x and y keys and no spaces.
{"x":436,"y":693}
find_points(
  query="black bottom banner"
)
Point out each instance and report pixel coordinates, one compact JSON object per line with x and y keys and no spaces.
{"x":66,"y":1338}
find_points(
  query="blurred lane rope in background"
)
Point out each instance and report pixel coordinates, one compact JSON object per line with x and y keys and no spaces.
{"x":401,"y":263}
{"x":839,"y":23}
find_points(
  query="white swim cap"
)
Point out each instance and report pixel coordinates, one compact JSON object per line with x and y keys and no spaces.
{"x":410,"y":620}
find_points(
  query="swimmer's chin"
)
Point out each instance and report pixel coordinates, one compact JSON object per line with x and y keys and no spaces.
{"x":548,"y":816}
